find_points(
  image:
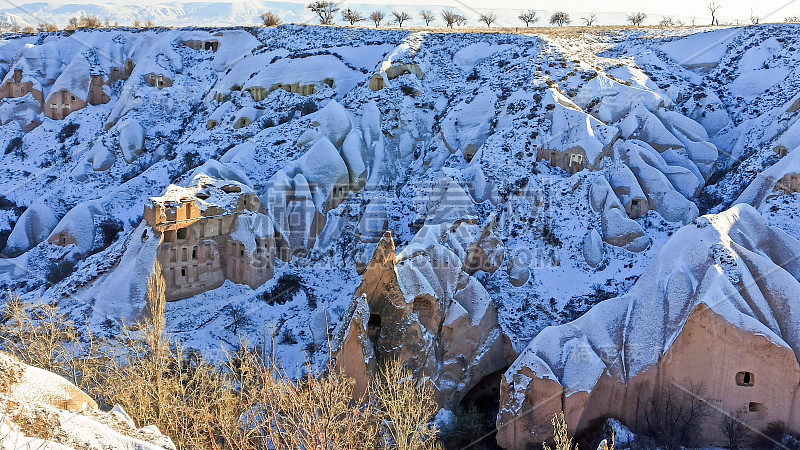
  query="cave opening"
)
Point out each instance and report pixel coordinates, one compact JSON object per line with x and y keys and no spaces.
{"x":484,"y":400}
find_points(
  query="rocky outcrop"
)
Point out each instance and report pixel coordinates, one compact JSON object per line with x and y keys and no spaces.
{"x":713,"y":315}
{"x":43,"y":410}
{"x":424,"y":309}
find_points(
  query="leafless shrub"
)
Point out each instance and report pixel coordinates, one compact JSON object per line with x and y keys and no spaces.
{"x":668,"y":21}
{"x":249,"y":403}
{"x":352,"y":16}
{"x":754,"y":19}
{"x":590,"y":20}
{"x":36,"y":333}
{"x":449,"y":18}
{"x":377,"y":17}
{"x":400,"y":17}
{"x":45,"y":27}
{"x":90,"y":22}
{"x":427,"y":16}
{"x":637,"y":19}
{"x":325,"y":10}
{"x":673,"y":416}
{"x":488,"y":18}
{"x":714,"y":7}
{"x":270,"y":19}
{"x":86,"y":22}
{"x":560,"y":18}
{"x":529,"y":17}
{"x":560,"y":434}
{"x":735,"y":431}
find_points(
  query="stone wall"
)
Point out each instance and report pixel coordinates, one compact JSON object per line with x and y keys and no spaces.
{"x":197,"y":253}
{"x":733,"y":371}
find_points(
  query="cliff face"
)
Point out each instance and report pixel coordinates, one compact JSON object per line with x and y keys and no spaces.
{"x":450,"y":335}
{"x":713,"y":316}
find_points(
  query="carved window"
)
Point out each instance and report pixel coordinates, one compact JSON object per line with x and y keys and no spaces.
{"x":575,"y":158}
{"x":423,"y":307}
{"x":745,"y":379}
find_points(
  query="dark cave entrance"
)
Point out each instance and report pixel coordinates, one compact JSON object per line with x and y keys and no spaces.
{"x":374,"y":328}
{"x":484,"y":398}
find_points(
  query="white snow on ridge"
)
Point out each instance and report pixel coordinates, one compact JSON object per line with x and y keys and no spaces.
{"x":348,"y":163}
{"x":701,"y":49}
{"x":467,"y":57}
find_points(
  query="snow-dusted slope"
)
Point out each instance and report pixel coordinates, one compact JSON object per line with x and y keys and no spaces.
{"x":43,"y":410}
{"x":579,"y":154}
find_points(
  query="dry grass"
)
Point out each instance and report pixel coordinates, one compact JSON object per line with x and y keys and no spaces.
{"x":249,"y":403}
{"x":564,"y":442}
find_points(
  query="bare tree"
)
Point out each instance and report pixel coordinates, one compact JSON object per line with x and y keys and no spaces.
{"x":428,"y":16}
{"x":449,"y":18}
{"x":754,"y":19}
{"x":590,"y":20}
{"x":560,"y":18}
{"x":400,"y":17}
{"x":377,"y":17}
{"x":325,"y":10}
{"x":637,"y":19}
{"x":735,"y":431}
{"x":713,"y":7}
{"x":673,"y":415}
{"x":352,"y":16}
{"x":792,"y":19}
{"x":461,"y":20}
{"x":238,"y":317}
{"x":488,"y":18}
{"x":270,"y":19}
{"x":528,"y":17}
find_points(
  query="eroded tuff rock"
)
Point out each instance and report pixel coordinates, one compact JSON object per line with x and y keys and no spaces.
{"x":716,"y":309}
{"x":427,"y":312}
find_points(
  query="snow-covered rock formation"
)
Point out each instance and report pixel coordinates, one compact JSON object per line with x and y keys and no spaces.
{"x":423,"y":307}
{"x":714,"y":314}
{"x":43,"y":410}
{"x":523,"y":178}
